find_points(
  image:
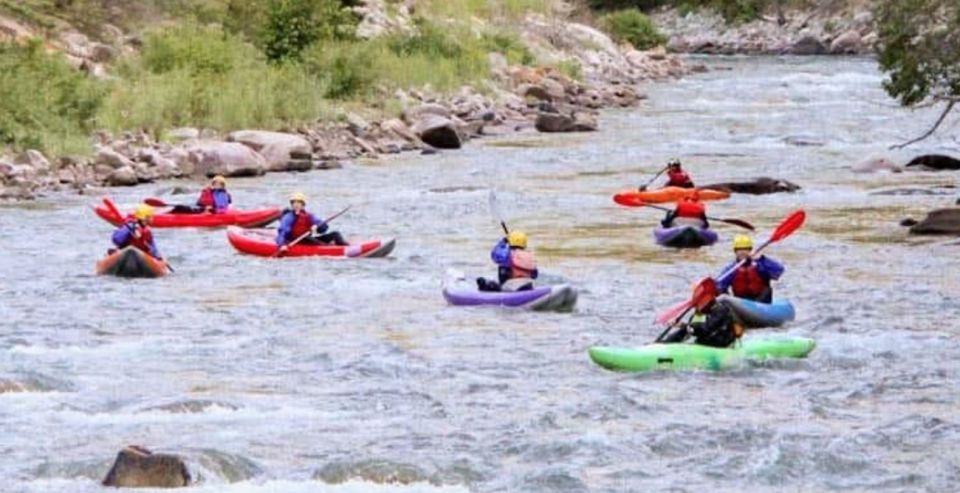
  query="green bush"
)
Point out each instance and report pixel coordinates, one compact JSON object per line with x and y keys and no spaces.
{"x":632,"y":26}
{"x":45,"y":104}
{"x":293,"y":25}
{"x":731,"y":10}
{"x":509,"y":45}
{"x":201,"y":76}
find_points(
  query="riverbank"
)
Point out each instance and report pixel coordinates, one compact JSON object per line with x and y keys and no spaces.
{"x":567,"y":72}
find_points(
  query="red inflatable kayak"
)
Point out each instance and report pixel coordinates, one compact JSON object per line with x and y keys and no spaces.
{"x":248,"y":219}
{"x":131,"y":262}
{"x":260,"y":242}
{"x":635,"y":198}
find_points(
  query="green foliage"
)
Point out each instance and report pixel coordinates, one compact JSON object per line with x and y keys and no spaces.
{"x":920,"y":49}
{"x":509,"y":45}
{"x":202,"y":76}
{"x":731,"y":10}
{"x":293,"y":25}
{"x":45,"y":103}
{"x":571,"y":68}
{"x":632,"y":26}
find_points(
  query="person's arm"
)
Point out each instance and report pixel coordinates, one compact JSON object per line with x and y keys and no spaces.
{"x":501,"y":253}
{"x":723,"y":285}
{"x":121,"y":237}
{"x":703,"y":217}
{"x":321,"y":226}
{"x":671,"y":215}
{"x":769,"y":268}
{"x":154,"y":250}
{"x":283,"y":231}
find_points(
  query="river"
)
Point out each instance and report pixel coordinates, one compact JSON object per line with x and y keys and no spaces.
{"x":295,"y":375}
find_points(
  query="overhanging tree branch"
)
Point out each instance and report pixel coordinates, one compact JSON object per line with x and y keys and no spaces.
{"x":951,"y":102}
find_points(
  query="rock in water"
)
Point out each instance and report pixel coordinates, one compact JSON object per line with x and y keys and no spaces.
{"x":875,"y":164}
{"x":138,"y":467}
{"x":808,"y":45}
{"x":275,"y":147}
{"x":437,"y":131}
{"x":938,"y":222}
{"x":935,"y":161}
{"x":226,"y":158}
{"x":759,"y":186}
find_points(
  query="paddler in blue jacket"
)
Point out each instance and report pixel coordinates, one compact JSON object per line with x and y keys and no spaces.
{"x":296,"y":222}
{"x":516,"y":267}
{"x":752,"y":279}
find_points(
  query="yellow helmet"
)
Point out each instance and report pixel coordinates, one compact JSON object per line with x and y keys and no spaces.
{"x":220,"y":178}
{"x":742,"y":242}
{"x":298,"y":197}
{"x":517,"y":239}
{"x":143,"y":211}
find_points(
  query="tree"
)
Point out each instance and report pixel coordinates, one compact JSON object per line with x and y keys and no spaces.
{"x":920,"y":51}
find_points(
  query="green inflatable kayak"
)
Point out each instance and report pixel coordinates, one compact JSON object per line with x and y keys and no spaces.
{"x":685,"y":356}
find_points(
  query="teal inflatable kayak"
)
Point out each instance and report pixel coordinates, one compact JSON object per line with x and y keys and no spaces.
{"x":686,"y":356}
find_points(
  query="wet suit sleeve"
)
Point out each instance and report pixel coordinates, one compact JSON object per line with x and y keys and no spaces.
{"x":221,"y":200}
{"x":154,"y":250}
{"x":769,"y":268}
{"x":286,"y":226}
{"x":122,"y":236}
{"x":723,"y":285}
{"x":322,"y":227}
{"x":501,"y":253}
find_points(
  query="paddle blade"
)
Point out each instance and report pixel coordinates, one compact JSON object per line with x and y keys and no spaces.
{"x":739,"y":222}
{"x":155,"y":202}
{"x":704,"y":293}
{"x":789,"y":225}
{"x":113,"y":207}
{"x":673,"y":312}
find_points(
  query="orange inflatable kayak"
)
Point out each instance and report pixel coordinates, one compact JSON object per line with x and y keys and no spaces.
{"x":635,"y":198}
{"x":131,"y":262}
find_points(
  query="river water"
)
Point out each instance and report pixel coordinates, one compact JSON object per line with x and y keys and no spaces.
{"x":317,"y":375}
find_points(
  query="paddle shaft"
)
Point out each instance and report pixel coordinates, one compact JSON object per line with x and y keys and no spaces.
{"x":495,"y":210}
{"x":308,"y":233}
{"x":644,"y":187}
{"x":735,"y":222}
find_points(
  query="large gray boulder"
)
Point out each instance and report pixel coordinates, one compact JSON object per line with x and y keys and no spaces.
{"x":808,"y":45}
{"x":210,"y":158}
{"x":35,"y":159}
{"x":561,"y":122}
{"x":275,"y":147}
{"x":848,"y":43}
{"x":938,"y":222}
{"x":112,"y":158}
{"x":137,"y":467}
{"x":875,"y":164}
{"x":759,"y":186}
{"x":935,"y":162}
{"x":125,"y":176}
{"x":437,"y":131}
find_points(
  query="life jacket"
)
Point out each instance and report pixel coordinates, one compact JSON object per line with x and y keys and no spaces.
{"x":748,"y":283}
{"x":206,"y":198}
{"x":679,"y":178}
{"x":301,"y":224}
{"x":691,"y":208}
{"x":146,"y":237}
{"x":522,"y":264}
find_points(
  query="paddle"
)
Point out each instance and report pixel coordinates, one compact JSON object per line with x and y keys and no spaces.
{"x":308,"y":233}
{"x":644,"y":187}
{"x":497,"y":214}
{"x":703,"y":293}
{"x":790,"y":224}
{"x":735,"y":222}
{"x":115,"y":211}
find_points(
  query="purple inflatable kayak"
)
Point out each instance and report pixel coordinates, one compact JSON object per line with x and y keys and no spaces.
{"x":685,"y":236}
{"x":561,"y":298}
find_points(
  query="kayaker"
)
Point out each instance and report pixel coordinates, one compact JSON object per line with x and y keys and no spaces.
{"x":676,"y":176}
{"x":296,"y":221}
{"x":689,"y":211}
{"x":713,"y":324}
{"x":215,"y":198}
{"x":752,"y":279}
{"x":516,"y":267}
{"x":136,"y":232}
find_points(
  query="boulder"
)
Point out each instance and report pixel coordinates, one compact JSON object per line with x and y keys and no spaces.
{"x":112,"y":158}
{"x":124,"y":176}
{"x":560,"y":122}
{"x":848,"y":43}
{"x":435,"y":109}
{"x":211,"y":158}
{"x":759,"y":186}
{"x":102,"y":53}
{"x":275,"y":147}
{"x":34,"y":159}
{"x":875,"y":164}
{"x":138,"y":467}
{"x":357,"y":125}
{"x":11,"y":30}
{"x":807,"y":45}
{"x":400,"y":129}
{"x":437,"y":131}
{"x":534,"y":91}
{"x":938,"y":222}
{"x":935,"y":162}
{"x":183,"y":133}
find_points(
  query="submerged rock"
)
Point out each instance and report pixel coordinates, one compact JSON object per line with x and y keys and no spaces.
{"x":136,"y":466}
{"x":875,"y":164}
{"x":937,"y":222}
{"x":759,"y":186}
{"x":935,"y":162}
{"x":372,"y":470}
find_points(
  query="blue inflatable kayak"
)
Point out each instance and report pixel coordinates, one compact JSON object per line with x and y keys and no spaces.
{"x":561,"y":298}
{"x":756,"y":315}
{"x":685,"y":236}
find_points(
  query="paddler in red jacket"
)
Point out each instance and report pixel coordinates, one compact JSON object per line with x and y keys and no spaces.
{"x":689,"y":211}
{"x":676,"y":176}
{"x":516,"y":267}
{"x":752,"y":279}
{"x":215,"y":198}
{"x":296,"y":221}
{"x":136,"y":232}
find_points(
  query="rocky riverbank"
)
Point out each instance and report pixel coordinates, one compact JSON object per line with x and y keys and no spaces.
{"x":517,"y":98}
{"x":821,"y":31}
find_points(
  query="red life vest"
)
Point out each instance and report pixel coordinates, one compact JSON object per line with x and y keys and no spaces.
{"x":206,"y":198}
{"x":691,"y":209}
{"x":301,"y":224}
{"x":679,"y":178}
{"x":747,"y":282}
{"x":144,"y":241}
{"x":522,"y":264}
